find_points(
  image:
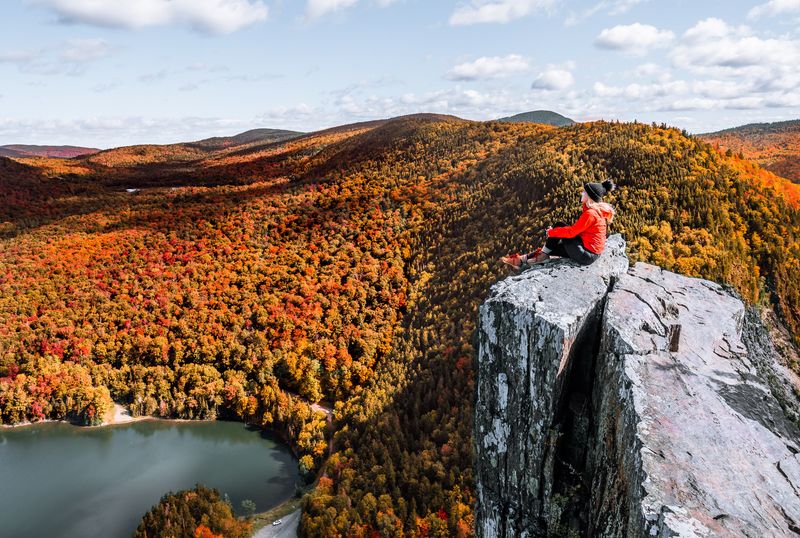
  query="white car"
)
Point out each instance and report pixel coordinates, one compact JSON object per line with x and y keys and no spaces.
{"x":277,"y":522}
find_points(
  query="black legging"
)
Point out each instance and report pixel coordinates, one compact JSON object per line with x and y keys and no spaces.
{"x":571,"y":247}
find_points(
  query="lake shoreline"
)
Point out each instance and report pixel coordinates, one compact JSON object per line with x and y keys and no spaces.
{"x":134,"y":466}
{"x":264,"y":519}
{"x":119,"y":414}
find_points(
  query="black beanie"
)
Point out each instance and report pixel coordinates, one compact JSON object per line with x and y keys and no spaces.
{"x":596,"y":191}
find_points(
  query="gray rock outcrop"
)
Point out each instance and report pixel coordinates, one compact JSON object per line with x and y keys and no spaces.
{"x":530,"y":332}
{"x":630,"y":402}
{"x":690,"y":441}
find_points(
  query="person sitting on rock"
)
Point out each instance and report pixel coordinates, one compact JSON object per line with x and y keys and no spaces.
{"x":584,"y":241}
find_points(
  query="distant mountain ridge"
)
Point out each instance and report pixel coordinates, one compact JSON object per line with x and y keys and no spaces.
{"x":61,"y":152}
{"x":144,"y":153}
{"x":769,"y":127}
{"x":184,"y":152}
{"x":547,"y":117}
{"x":774,"y":146}
{"x":253,"y":135}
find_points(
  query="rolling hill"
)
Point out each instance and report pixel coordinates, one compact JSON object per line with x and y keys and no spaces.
{"x":254,"y":135}
{"x":346,"y":266}
{"x":775,"y":146}
{"x":61,"y":152}
{"x":186,"y":152}
{"x":546,"y":117}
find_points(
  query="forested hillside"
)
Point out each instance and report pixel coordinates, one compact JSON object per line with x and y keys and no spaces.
{"x":62,"y":152}
{"x":345,"y":266}
{"x":775,"y":146}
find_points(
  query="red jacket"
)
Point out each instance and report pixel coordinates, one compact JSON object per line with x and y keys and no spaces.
{"x":590,"y":227}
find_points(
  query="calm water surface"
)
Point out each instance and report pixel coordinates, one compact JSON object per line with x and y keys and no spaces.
{"x":58,"y":480}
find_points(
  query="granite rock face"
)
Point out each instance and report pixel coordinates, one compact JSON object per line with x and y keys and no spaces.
{"x":531,"y":331}
{"x":690,"y":439}
{"x":630,"y":402}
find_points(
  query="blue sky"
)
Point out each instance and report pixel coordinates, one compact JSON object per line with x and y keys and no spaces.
{"x":106,"y":73}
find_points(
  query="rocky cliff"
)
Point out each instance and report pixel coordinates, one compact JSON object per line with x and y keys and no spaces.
{"x":617,"y":401}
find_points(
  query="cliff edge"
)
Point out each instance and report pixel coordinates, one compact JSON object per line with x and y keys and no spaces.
{"x":617,"y":401}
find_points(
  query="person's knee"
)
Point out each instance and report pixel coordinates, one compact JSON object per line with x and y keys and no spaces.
{"x":552,"y":242}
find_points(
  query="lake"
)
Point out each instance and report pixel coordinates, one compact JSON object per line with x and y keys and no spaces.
{"x":58,"y":480}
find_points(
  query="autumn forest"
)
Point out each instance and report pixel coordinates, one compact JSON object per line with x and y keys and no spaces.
{"x":250,"y":279}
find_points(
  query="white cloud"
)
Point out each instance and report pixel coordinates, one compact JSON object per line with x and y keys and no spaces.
{"x":318,"y":8}
{"x":19,"y":57}
{"x":701,"y":103}
{"x":712,"y":47}
{"x":787,"y":100}
{"x":657,"y":89}
{"x":106,"y":86}
{"x":712,"y":28}
{"x":210,"y":16}
{"x":490,"y":67}
{"x":649,"y":69}
{"x":611,"y":7}
{"x":783,"y":79}
{"x":642,"y":92}
{"x":105,"y":132}
{"x":69,"y":58}
{"x":156,"y":76}
{"x":253,"y":77}
{"x":214,"y":74}
{"x":208,"y":68}
{"x":299,"y":113}
{"x":603,"y":90}
{"x":773,"y":8}
{"x":634,"y":38}
{"x":498,"y":11}
{"x":618,"y":7}
{"x":693,"y":103}
{"x":720,"y":89}
{"x":740,"y":70}
{"x":733,"y":69}
{"x":83,"y":50}
{"x":553,"y":79}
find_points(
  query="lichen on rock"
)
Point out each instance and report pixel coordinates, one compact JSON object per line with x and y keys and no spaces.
{"x":531,"y":329}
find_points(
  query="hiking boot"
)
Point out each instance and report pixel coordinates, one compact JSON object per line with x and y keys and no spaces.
{"x":538,"y":257}
{"x":514,"y":260}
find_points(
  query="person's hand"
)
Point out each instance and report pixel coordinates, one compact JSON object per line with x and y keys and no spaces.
{"x":549,"y":228}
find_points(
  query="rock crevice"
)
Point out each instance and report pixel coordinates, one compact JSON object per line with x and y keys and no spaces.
{"x":532,"y":330}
